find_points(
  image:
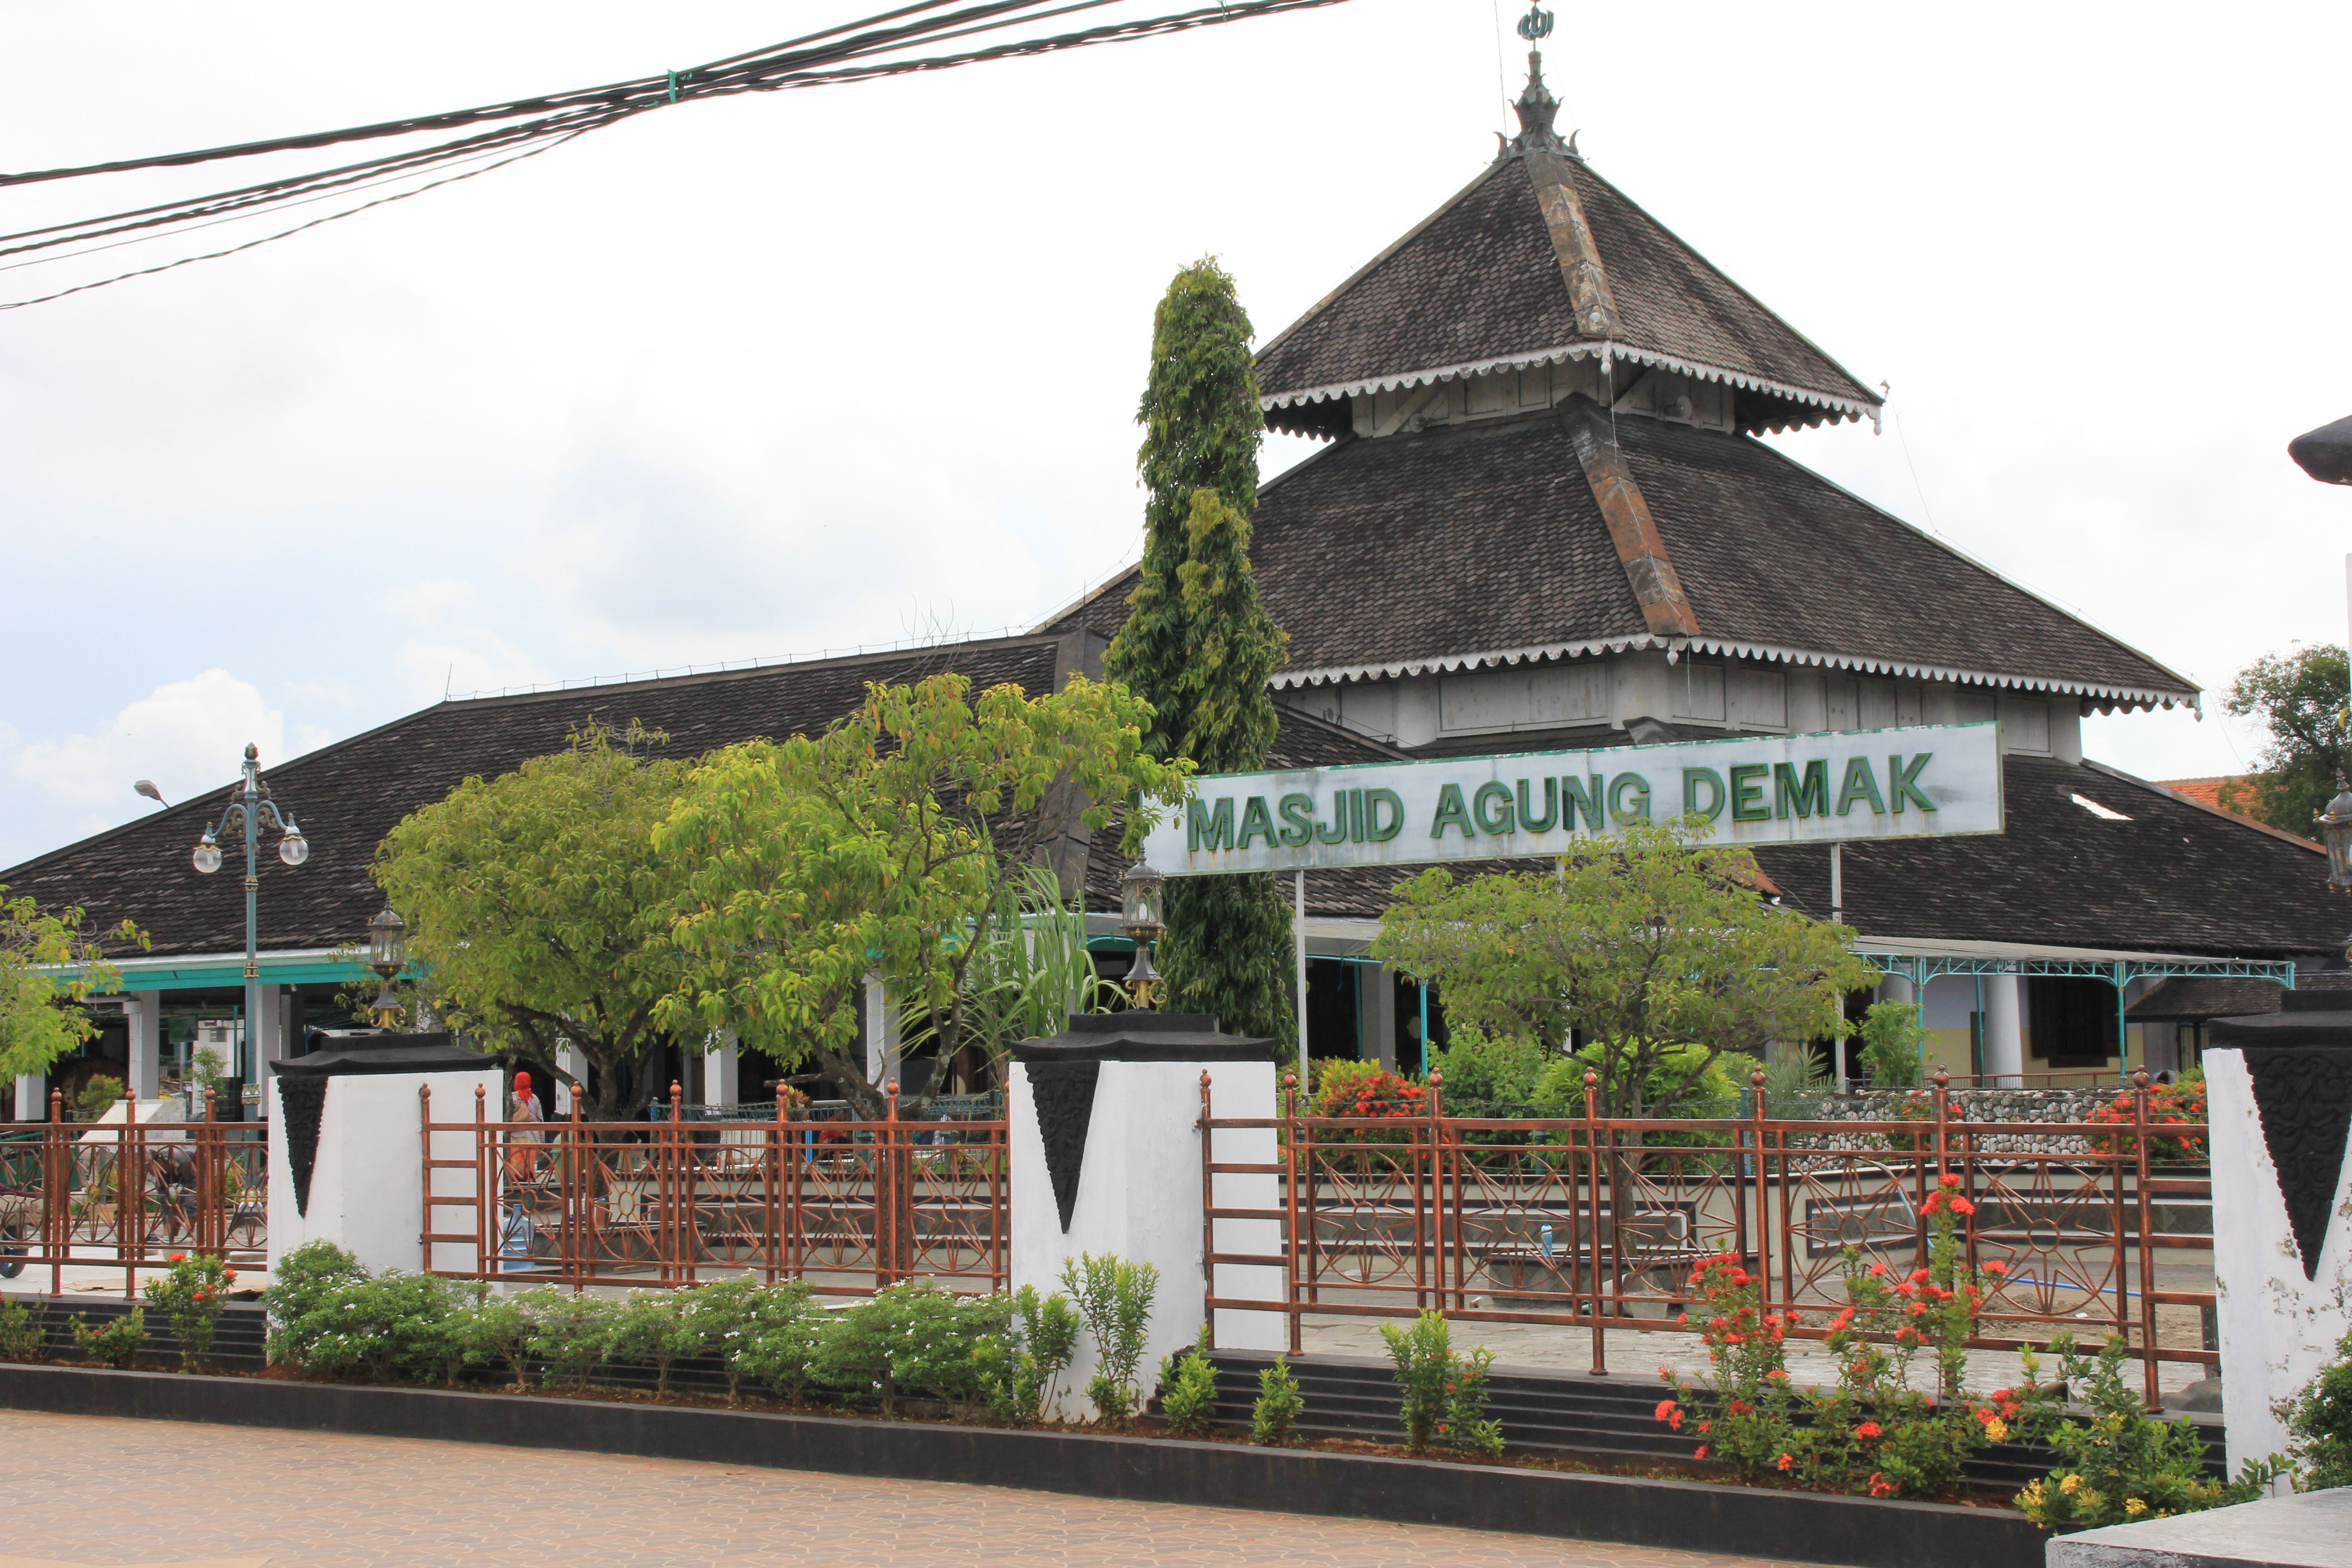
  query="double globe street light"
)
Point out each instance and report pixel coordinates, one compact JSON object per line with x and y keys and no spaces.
{"x":249,"y":807}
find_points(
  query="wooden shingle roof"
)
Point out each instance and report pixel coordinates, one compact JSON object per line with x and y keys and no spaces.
{"x":1479,"y":286}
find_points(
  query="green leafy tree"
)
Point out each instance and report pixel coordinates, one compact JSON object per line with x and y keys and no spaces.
{"x":1891,"y":1038}
{"x":2299,"y":697}
{"x":2320,"y":1419}
{"x":883,"y":843}
{"x":1652,"y":946}
{"x":48,"y":964}
{"x":539,"y":908}
{"x":659,"y":1327}
{"x":1199,"y":644}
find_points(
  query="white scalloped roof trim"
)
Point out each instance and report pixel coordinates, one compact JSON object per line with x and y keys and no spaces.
{"x":1853,"y":408}
{"x":1448,"y":663}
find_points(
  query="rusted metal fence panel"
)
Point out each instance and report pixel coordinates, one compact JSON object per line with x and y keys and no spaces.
{"x":1595,"y":1223}
{"x":849,"y":1206}
{"x":126,"y":1195}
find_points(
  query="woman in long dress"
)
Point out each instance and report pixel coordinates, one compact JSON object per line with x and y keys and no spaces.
{"x":523,"y":1142}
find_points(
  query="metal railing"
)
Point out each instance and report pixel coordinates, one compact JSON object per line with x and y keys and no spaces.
{"x":1595,"y":1223}
{"x":126,"y":1195}
{"x":849,"y":1206}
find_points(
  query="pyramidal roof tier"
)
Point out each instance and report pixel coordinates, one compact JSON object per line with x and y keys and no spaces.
{"x":1539,"y":261}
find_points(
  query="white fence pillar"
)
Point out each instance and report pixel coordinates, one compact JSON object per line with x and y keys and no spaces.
{"x":366,"y":1164}
{"x":2278,"y":1094}
{"x":1107,"y":1159}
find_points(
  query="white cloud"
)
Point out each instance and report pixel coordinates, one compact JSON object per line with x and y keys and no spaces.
{"x":436,"y":601}
{"x":187,"y":736}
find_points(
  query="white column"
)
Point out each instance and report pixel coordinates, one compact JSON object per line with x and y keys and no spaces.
{"x":881,"y":1032}
{"x":2004,"y":1036}
{"x":1897,"y":988}
{"x":32,"y":1097}
{"x":568,"y":1058}
{"x":720,"y":1070}
{"x":142,"y":1012}
{"x":268,"y":1039}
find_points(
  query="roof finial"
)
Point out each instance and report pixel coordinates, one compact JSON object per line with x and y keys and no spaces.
{"x":1537,"y":105}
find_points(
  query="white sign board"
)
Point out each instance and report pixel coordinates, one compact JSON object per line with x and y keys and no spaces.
{"x":1931,"y":781}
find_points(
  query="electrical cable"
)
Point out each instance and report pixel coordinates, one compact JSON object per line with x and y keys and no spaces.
{"x":872,"y":49}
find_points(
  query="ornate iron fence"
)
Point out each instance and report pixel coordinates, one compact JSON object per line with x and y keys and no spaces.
{"x":1595,"y":1223}
{"x":127,"y":1195}
{"x":850,"y":1206}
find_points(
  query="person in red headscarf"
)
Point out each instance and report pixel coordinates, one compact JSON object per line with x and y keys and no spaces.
{"x":523,"y":1141}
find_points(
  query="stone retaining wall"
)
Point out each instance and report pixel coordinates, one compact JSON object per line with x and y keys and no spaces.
{"x":2009,"y":1105}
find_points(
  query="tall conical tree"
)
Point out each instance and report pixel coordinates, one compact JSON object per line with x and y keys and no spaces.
{"x":1199,"y":645}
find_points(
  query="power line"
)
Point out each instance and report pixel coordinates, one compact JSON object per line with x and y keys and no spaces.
{"x":876,"y":46}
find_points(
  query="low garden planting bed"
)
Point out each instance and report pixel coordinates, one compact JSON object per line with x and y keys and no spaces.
{"x":1645,"y":1510}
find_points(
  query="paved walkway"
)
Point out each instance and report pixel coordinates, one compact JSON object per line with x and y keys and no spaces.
{"x":92,"y":1492}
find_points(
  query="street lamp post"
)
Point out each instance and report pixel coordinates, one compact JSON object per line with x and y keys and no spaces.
{"x":247,"y":808}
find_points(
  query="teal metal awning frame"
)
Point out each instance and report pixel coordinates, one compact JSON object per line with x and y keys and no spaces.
{"x":222,"y":971}
{"x":1919,"y":966}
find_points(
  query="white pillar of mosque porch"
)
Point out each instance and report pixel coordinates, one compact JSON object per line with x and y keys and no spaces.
{"x":268,"y":1038}
{"x":722,"y":1070}
{"x":1107,"y":1159}
{"x":142,"y":1015}
{"x":1376,"y":1025}
{"x":569,"y":1058}
{"x":881,"y":1032}
{"x":2004,"y":1033}
{"x":32,"y":1097}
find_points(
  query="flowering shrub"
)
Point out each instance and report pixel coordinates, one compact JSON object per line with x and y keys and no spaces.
{"x":2178,"y":1104}
{"x":1874,"y":1432}
{"x":190,"y":1294}
{"x":2120,"y":1464}
{"x":1360,"y":1093}
{"x":1748,"y":1418}
{"x":1444,"y":1394}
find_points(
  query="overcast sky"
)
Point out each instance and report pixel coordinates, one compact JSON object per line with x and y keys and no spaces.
{"x":798,"y":372}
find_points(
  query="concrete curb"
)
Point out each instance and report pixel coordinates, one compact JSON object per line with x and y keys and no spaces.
{"x":1691,"y":1516}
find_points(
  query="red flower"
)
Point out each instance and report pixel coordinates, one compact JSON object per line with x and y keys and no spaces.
{"x":1996,"y":1267}
{"x":1879,"y":1269}
{"x":1666,"y":1408}
{"x":179,"y":1257}
{"x":1949,"y":1180}
{"x":1787,"y":1461}
{"x":1881,"y":1487}
{"x":1869,"y":1429}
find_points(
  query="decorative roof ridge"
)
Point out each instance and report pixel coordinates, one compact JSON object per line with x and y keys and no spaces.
{"x":2194,"y":699}
{"x":1441,"y":663}
{"x":2153,"y":787}
{"x":1850,"y":408}
{"x":1709,"y":262}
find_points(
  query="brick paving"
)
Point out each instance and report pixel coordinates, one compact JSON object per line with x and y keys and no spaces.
{"x":108,"y":1493}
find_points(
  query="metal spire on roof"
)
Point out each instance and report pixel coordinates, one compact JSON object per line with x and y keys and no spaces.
{"x":1537,"y":106}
